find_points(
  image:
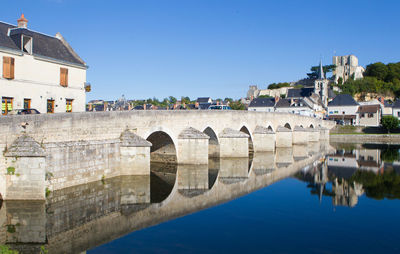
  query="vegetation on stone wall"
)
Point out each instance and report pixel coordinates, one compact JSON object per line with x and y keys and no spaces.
{"x":278,"y":85}
{"x":6,"y":250}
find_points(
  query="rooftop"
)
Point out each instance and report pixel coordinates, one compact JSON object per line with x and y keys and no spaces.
{"x":343,"y":100}
{"x":42,"y":46}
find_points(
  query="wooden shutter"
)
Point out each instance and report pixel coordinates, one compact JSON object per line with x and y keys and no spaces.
{"x":6,"y":66}
{"x":64,"y":77}
{"x":12,"y":64}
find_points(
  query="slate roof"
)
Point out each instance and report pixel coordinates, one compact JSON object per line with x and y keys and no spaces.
{"x":283,"y":103}
{"x":203,"y":99}
{"x":204,"y":105}
{"x":298,"y":93}
{"x":262,"y":102}
{"x":396,"y":104}
{"x":43,"y":45}
{"x":286,"y":103}
{"x":343,"y":100}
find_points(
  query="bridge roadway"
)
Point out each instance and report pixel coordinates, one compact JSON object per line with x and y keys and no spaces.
{"x":57,"y":151}
{"x":79,"y":218}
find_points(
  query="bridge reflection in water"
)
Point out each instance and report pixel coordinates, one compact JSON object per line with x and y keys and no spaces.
{"x":79,"y":218}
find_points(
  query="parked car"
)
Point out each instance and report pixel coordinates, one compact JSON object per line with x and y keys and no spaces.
{"x":28,"y":111}
{"x":219,"y":107}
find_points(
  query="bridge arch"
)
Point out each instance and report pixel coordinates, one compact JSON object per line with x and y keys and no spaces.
{"x":163,"y":148}
{"x":244,"y":129}
{"x":312,"y":126}
{"x":287,"y":125}
{"x":213,"y":143}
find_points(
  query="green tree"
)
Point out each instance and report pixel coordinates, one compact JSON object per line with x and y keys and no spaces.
{"x":315,"y":71}
{"x":237,"y":105}
{"x":378,"y":70}
{"x":340,"y":81}
{"x":5,"y":250}
{"x":228,"y":99}
{"x":185,"y":99}
{"x":390,"y":123}
{"x":172,"y":99}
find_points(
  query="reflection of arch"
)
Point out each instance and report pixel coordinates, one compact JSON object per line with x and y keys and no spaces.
{"x":245,"y":130}
{"x":287,"y":125}
{"x":213,"y":144}
{"x":270,"y":128}
{"x":163,"y":148}
{"x":162,"y":181}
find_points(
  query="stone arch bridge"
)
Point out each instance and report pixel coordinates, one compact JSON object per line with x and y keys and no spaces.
{"x":49,"y":152}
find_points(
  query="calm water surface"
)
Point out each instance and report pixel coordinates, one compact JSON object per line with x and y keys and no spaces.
{"x":340,"y":198}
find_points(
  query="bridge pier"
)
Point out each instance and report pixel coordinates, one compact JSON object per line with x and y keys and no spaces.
{"x":192,"y":179}
{"x":233,"y":144}
{"x":323,"y":133}
{"x":283,"y":137}
{"x":313,"y":134}
{"x":25,"y":170}
{"x":135,"y":190}
{"x":233,"y":169}
{"x":284,"y":156}
{"x":192,"y":147}
{"x":263,"y":163}
{"x":263,"y":139}
{"x":300,"y":135}
{"x":135,"y":154}
{"x":300,"y":152}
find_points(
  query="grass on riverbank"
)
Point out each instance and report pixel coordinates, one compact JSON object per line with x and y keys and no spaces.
{"x":359,"y":130}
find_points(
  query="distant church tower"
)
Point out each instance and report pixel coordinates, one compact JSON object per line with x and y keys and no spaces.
{"x":321,"y":86}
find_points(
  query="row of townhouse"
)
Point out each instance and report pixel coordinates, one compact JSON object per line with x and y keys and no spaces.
{"x":202,"y":103}
{"x":300,"y":106}
{"x":39,"y":71}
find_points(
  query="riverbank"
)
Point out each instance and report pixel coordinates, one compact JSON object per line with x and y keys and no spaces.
{"x":365,"y":138}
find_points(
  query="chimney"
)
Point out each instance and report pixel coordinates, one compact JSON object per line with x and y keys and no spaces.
{"x":22,"y":22}
{"x":144,"y":106}
{"x":196,"y":105}
{"x":277,"y":98}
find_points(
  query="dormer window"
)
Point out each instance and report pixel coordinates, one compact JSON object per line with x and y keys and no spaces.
{"x":27,"y":44}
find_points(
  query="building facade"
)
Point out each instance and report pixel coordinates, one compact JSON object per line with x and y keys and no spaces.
{"x":39,"y":71}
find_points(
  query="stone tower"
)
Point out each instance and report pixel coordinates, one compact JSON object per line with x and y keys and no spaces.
{"x":321,"y":85}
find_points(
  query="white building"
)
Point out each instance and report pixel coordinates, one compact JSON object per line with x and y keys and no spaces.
{"x":343,"y":108}
{"x":262,"y":104}
{"x":39,"y":71}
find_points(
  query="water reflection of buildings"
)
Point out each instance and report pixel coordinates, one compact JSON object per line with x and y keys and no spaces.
{"x":343,"y":173}
{"x":79,"y":218}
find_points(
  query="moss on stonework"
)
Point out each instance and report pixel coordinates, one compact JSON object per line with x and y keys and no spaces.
{"x":10,"y":171}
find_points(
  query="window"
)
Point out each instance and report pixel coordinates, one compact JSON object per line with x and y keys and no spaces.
{"x":362,"y":115}
{"x":398,"y":114}
{"x":27,"y":103}
{"x":68,"y":105}
{"x":8,"y":67}
{"x":6,"y":105}
{"x":64,"y":77}
{"x":370,"y":115}
{"x":336,"y":112}
{"x":50,"y":106}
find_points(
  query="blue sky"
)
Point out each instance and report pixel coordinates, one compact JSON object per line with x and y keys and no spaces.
{"x":211,"y":48}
